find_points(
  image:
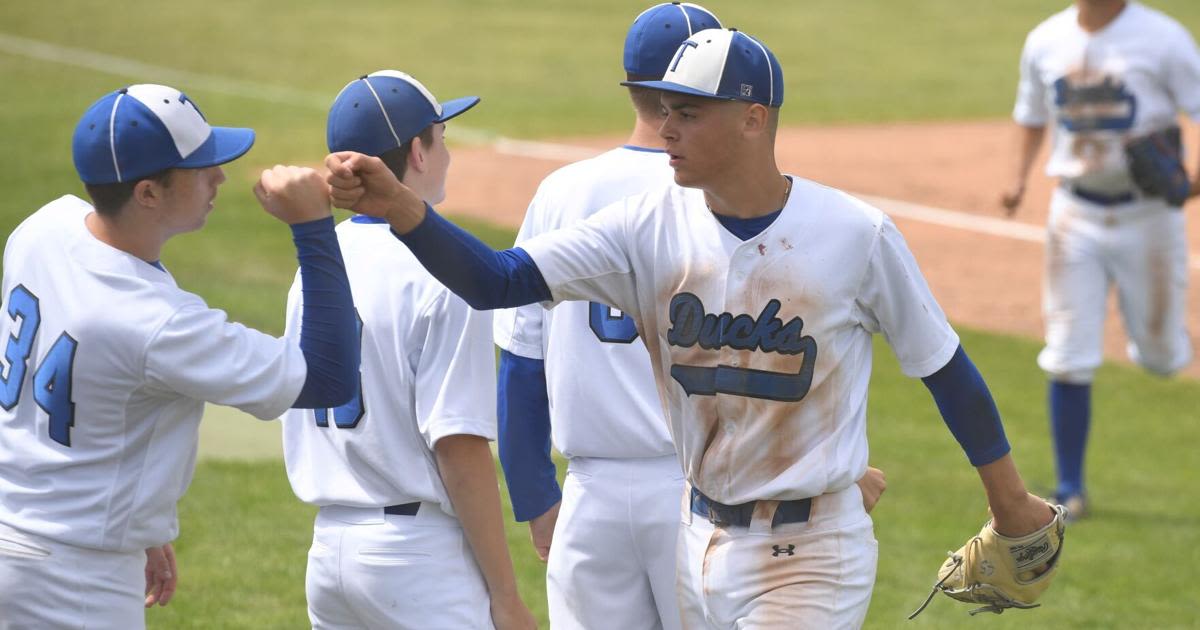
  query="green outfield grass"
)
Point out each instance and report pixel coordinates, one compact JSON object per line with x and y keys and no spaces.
{"x":1133,"y":565}
{"x":543,"y":67}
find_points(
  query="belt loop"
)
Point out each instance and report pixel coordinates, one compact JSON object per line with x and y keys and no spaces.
{"x":763,"y":516}
{"x":689,"y":495}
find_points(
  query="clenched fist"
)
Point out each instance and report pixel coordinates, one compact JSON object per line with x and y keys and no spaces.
{"x":293,"y":194}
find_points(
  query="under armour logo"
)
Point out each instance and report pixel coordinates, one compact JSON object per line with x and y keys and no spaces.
{"x":789,"y":550}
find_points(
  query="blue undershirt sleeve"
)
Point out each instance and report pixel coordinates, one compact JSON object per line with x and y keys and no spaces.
{"x":484,"y":278}
{"x":523,"y":412}
{"x":328,"y":334}
{"x":968,"y":409}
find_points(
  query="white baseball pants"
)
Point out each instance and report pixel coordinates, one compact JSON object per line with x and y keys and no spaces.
{"x":371,"y":570}
{"x":815,"y":575}
{"x":1141,"y":248}
{"x":612,"y":561}
{"x":46,"y":585}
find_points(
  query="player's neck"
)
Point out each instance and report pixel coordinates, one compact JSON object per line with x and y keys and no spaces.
{"x":748,"y":196}
{"x":645,"y":134}
{"x":126,"y":235}
{"x":1095,"y":15}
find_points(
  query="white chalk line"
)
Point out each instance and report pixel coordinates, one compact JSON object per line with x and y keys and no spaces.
{"x":551,"y":151}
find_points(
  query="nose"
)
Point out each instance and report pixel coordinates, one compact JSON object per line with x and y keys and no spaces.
{"x":218,"y":176}
{"x":667,"y":130}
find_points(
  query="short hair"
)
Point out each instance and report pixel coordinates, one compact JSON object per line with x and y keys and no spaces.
{"x":397,"y":159}
{"x":108,"y":199}
{"x":646,"y":102}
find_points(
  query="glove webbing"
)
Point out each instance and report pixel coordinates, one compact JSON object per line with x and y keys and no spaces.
{"x":958,"y":560}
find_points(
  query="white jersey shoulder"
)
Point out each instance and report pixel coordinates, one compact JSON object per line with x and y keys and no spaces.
{"x":428,"y":371}
{"x":762,"y":346}
{"x":98,"y":436}
{"x":610,"y":408}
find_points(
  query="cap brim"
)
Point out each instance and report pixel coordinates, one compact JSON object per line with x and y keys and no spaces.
{"x":225,"y":144}
{"x":678,"y":88}
{"x":454,"y":107}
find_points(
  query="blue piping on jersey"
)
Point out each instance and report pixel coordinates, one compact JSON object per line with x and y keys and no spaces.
{"x":634,"y":147}
{"x":362,"y":218}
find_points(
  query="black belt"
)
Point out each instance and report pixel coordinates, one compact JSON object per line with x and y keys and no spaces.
{"x":796,"y":511}
{"x":404,"y":509}
{"x":1102,"y":199}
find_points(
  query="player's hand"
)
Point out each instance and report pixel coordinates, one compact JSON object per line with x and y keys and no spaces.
{"x":872,"y":484}
{"x":293,"y":194}
{"x":161,"y":575}
{"x":510,"y":613}
{"x":541,"y":531}
{"x":1010,"y":199}
{"x":366,"y":185}
{"x":1024,"y":517}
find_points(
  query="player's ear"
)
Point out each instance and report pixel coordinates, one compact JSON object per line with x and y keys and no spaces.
{"x":148,"y":193}
{"x":417,"y":154}
{"x":756,"y":119}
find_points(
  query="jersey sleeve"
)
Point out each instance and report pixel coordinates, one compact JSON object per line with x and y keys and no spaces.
{"x":200,"y":354}
{"x":589,"y":260}
{"x":1183,"y":72}
{"x":456,"y":373}
{"x":1030,"y":109}
{"x":894,"y":299}
{"x":519,"y":330}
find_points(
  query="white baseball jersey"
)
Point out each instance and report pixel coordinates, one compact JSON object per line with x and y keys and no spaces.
{"x":107,"y":367}
{"x":428,"y":371}
{"x":763,"y":346}
{"x":1126,"y":80}
{"x":603,"y":398}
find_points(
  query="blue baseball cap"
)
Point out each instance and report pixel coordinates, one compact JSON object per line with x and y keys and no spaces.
{"x":657,"y":33}
{"x":383,"y":110}
{"x":143,"y":129}
{"x":723,"y":64}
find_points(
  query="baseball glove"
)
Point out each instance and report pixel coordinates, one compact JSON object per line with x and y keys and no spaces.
{"x":1001,"y":572}
{"x":1156,"y":165}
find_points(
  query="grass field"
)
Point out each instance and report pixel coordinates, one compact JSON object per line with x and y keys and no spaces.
{"x":543,"y":67}
{"x":549,"y":68}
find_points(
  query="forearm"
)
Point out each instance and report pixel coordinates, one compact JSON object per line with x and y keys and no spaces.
{"x":967,"y":407}
{"x":328,"y":336}
{"x":1029,"y":142}
{"x":465,"y":464}
{"x":522,"y":409}
{"x":483,"y":277}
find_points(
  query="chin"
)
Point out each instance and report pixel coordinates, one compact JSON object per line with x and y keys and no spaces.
{"x":685,"y":179}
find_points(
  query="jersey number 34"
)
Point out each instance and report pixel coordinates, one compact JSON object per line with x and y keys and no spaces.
{"x":51,"y":379}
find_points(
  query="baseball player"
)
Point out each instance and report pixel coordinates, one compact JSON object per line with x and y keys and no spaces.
{"x":1106,"y":73}
{"x":612,"y":561}
{"x":409,"y":533}
{"x":756,"y":295}
{"x":108,"y":363}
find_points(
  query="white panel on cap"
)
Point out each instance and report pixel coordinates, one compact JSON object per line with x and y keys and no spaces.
{"x":396,"y":74}
{"x":180,"y":116}
{"x":701,"y":67}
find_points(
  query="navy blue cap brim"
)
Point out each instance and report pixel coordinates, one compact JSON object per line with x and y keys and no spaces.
{"x":225,"y":144}
{"x":454,"y":107}
{"x":678,"y":88}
